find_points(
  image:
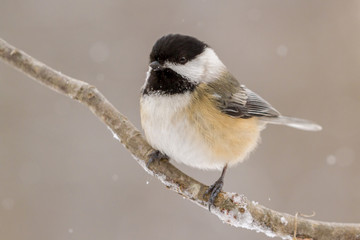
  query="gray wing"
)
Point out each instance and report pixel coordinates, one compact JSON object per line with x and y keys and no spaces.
{"x":244,"y":103}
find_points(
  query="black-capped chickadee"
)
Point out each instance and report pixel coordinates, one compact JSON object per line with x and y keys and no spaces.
{"x":195,"y":112}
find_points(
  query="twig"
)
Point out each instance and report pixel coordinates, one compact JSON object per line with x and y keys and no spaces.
{"x":231,"y":208}
{"x":295,"y":225}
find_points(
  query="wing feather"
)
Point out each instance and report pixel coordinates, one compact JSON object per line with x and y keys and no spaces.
{"x":238,"y":101}
{"x":241,"y":102}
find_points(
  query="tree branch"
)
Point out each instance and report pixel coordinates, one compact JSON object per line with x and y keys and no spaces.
{"x":231,"y":208}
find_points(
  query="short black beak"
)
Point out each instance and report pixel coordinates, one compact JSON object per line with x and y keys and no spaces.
{"x":156,"y":66}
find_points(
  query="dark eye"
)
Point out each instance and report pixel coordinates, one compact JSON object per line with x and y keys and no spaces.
{"x":183,"y":60}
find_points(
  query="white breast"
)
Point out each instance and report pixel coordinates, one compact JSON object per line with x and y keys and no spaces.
{"x":168,"y":130}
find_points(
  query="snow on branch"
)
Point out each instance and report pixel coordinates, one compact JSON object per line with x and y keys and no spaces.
{"x":231,"y":208}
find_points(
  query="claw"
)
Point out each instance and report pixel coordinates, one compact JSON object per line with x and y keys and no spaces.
{"x":156,"y":156}
{"x":215,"y":189}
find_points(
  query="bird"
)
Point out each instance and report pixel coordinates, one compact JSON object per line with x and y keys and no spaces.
{"x":195,"y":112}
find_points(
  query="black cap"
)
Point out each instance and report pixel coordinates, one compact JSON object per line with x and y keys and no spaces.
{"x":176,"y":48}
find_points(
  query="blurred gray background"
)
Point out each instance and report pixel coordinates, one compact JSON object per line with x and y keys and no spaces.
{"x":63,"y":176}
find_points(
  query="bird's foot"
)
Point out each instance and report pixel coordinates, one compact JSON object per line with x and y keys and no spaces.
{"x":214,"y":191}
{"x":156,"y":156}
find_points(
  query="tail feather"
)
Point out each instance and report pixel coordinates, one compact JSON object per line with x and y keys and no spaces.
{"x":293,"y":122}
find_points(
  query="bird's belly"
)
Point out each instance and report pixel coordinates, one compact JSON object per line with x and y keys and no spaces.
{"x":196,"y":138}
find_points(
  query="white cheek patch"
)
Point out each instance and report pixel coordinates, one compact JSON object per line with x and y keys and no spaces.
{"x":206,"y":67}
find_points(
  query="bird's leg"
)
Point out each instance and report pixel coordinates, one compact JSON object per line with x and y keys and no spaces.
{"x":215,"y":189}
{"x":156,"y":155}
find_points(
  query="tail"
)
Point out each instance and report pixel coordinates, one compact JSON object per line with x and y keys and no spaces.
{"x":293,"y":122}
